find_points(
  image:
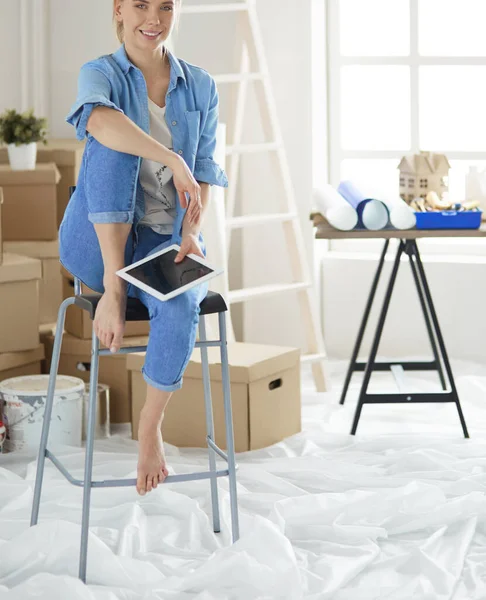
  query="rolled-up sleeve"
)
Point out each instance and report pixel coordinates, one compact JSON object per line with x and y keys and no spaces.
{"x":94,"y":89}
{"x":206,"y":169}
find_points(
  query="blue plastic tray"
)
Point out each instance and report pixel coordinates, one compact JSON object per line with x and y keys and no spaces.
{"x":449,"y":219}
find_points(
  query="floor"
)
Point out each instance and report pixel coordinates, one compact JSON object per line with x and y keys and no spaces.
{"x":396,"y":512}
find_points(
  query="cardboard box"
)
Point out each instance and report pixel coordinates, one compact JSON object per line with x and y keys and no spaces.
{"x":29,"y":203}
{"x":78,"y":322}
{"x":67,"y":156}
{"x":265,"y":397}
{"x":19,"y":302}
{"x":75,"y":360}
{"x":1,"y":241}
{"x":102,"y":415}
{"x":50,"y":286}
{"x":16,"y":364}
{"x":45,"y":330}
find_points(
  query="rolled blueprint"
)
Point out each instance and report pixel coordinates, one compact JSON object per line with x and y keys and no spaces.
{"x":402,"y":215}
{"x":339,"y":213}
{"x":372,"y":213}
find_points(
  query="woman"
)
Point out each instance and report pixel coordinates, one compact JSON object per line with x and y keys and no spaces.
{"x":150,"y":122}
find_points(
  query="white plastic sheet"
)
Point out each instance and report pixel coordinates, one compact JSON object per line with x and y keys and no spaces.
{"x":397,"y":512}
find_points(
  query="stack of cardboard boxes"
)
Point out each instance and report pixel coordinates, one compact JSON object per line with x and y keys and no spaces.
{"x":30,"y":280}
{"x":34,"y":206}
{"x":67,"y":156}
{"x":21,"y":352}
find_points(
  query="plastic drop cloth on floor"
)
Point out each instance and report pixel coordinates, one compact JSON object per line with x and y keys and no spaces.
{"x":396,"y":512}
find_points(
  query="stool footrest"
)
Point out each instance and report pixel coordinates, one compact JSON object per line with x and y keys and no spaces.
{"x":216,"y":448}
{"x":132,"y":349}
{"x":133,"y":482}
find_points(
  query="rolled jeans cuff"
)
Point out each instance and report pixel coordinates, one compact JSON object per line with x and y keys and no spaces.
{"x":119,"y":216}
{"x":160,"y":386}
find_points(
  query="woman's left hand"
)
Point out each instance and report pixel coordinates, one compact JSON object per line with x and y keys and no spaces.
{"x":189,"y":245}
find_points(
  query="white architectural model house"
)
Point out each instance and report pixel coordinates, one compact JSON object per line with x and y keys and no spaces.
{"x":423,"y":173}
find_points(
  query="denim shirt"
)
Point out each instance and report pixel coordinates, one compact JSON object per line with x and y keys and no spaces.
{"x":108,"y":188}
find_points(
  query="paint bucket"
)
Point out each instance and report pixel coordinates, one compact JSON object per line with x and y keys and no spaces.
{"x":3,"y":435}
{"x":24,"y":399}
{"x":102,"y":418}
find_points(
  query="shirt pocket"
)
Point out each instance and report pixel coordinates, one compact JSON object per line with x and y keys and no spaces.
{"x":193,"y":118}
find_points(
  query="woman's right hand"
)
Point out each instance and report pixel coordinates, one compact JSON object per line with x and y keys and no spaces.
{"x":184,"y":182}
{"x":109,"y":321}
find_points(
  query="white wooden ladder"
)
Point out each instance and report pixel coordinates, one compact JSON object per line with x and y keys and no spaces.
{"x":253,"y":56}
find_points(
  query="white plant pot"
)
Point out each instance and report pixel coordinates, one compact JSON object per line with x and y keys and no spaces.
{"x":23,"y":157}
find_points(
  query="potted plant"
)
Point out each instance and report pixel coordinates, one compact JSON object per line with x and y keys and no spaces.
{"x":21,"y":132}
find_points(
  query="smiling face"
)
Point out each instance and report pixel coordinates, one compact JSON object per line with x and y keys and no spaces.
{"x":145,"y":24}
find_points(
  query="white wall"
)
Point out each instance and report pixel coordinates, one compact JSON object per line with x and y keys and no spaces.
{"x":10,"y":94}
{"x":43,"y":44}
{"x":79,"y":31}
{"x":458,"y":287}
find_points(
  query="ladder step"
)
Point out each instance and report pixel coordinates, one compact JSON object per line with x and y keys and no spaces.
{"x":236,"y":77}
{"x":239,"y":222}
{"x":235,"y":296}
{"x":253,"y":148}
{"x":311,"y":358}
{"x":213,"y":8}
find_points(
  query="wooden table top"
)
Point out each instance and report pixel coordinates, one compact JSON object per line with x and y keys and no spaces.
{"x":323,"y":230}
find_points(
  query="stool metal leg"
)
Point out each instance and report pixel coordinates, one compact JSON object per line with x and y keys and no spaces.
{"x":228,"y":417}
{"x":88,"y":464}
{"x":209,"y":423}
{"x":41,"y":459}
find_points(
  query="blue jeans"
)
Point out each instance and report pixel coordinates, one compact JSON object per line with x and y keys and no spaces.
{"x":173,"y":323}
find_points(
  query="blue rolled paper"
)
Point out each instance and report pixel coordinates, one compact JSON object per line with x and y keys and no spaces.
{"x":372,"y":214}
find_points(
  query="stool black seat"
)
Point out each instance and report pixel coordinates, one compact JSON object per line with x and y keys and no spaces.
{"x":137,"y":311}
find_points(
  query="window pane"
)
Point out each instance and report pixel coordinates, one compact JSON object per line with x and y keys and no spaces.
{"x":452,"y":27}
{"x":452,"y":101}
{"x":374,"y":27}
{"x":378,"y":176}
{"x":375,"y":107}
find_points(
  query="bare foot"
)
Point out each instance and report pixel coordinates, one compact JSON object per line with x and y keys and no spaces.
{"x":151,"y":468}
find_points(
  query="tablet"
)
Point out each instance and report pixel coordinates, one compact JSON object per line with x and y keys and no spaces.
{"x":158,"y":274}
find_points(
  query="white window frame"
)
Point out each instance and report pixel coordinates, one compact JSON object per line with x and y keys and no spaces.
{"x":336,"y":154}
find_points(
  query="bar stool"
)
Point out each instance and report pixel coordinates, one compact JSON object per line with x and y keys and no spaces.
{"x":136,"y":311}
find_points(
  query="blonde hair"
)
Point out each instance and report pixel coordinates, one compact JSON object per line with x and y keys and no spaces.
{"x":120,"y":34}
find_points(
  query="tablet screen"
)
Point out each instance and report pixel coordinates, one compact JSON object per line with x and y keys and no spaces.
{"x":164,"y":275}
